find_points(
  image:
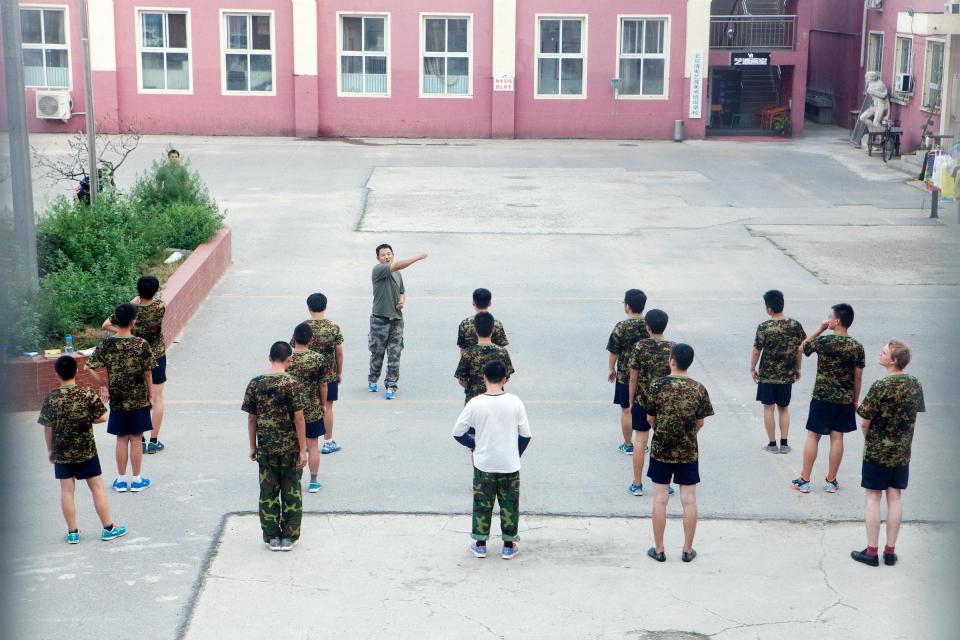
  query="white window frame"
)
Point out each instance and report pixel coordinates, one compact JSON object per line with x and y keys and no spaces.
{"x":387,"y":41}
{"x":926,"y":78}
{"x":138,"y":27}
{"x":224,"y":50}
{"x":883,"y":43}
{"x":897,"y":96}
{"x":447,"y":54}
{"x":666,"y":55}
{"x":584,"y":39}
{"x":42,"y":47}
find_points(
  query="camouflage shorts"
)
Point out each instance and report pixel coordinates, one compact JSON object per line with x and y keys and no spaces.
{"x":500,"y":487}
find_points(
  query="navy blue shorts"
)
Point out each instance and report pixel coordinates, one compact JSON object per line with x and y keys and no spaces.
{"x":333,"y":391}
{"x":879,"y":478}
{"x":680,"y":472}
{"x":639,"y":415}
{"x":79,"y":470}
{"x":825,"y":417}
{"x":316,"y":429}
{"x":621,"y":395}
{"x":771,"y":393}
{"x":159,"y":372}
{"x":129,"y":423}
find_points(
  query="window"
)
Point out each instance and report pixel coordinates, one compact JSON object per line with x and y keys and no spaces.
{"x":363,"y":55}
{"x":46,"y":56}
{"x":643,"y":58}
{"x":875,"y":53}
{"x":248,"y":53}
{"x":446,"y":56}
{"x":933,"y":76}
{"x":902,"y":64}
{"x":164,"y":51}
{"x":560,"y":56}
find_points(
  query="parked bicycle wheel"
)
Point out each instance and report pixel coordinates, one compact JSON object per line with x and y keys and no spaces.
{"x":888,"y":148}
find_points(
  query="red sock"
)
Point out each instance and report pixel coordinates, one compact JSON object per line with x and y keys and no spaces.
{"x":872,"y":551}
{"x":889,"y":549}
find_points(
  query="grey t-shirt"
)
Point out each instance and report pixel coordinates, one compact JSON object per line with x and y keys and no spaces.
{"x":387,"y":288}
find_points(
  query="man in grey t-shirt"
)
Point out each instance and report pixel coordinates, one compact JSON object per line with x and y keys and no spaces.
{"x":386,"y":318}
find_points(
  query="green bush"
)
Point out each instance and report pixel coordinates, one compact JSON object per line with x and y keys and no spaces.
{"x":186,"y":225}
{"x":19,"y":317}
{"x":150,"y":194}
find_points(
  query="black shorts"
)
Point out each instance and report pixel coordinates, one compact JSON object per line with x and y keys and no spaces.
{"x":621,"y":395}
{"x":129,"y":423}
{"x":159,"y":372}
{"x":879,"y":478}
{"x":680,"y":472}
{"x":333,"y":391}
{"x":639,"y":415}
{"x":825,"y":417}
{"x":771,"y":393}
{"x":79,"y":470}
{"x":316,"y":429}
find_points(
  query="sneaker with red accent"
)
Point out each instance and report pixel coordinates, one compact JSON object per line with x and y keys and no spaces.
{"x":831,"y":486}
{"x":479,"y":551}
{"x":509,"y":552}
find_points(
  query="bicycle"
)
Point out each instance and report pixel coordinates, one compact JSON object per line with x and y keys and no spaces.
{"x":888,"y":140}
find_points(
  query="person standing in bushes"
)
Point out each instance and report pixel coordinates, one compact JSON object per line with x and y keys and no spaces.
{"x":327,"y":341}
{"x":149,"y":326}
{"x":172,"y":178}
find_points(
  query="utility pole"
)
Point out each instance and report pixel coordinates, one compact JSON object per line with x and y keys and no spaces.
{"x":93,"y":171}
{"x":24,"y":222}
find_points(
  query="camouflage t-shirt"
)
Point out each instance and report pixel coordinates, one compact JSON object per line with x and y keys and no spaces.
{"x":467,"y":334}
{"x":126,"y":358}
{"x":326,"y":337}
{"x":777,"y":340}
{"x":651,"y":359}
{"x":677,"y":402}
{"x":891,"y":406}
{"x":310,"y":369}
{"x":274,"y":398}
{"x":837,"y":357}
{"x":470,"y":368}
{"x":625,"y":335}
{"x":70,"y":411}
{"x":149,"y":326}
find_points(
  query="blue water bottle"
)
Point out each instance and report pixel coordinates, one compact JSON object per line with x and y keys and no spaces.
{"x":69,"y":348}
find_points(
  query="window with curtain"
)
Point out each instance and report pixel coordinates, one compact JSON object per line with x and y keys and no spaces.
{"x":46,"y":58}
{"x":902,"y":63}
{"x":164,"y":51}
{"x":643,"y":57}
{"x":446,"y":56}
{"x":875,"y":53}
{"x":560,"y":57}
{"x":363,"y":55}
{"x":933,"y":77}
{"x":248,"y":53}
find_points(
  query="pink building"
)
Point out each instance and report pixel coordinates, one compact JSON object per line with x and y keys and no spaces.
{"x":418,"y":68}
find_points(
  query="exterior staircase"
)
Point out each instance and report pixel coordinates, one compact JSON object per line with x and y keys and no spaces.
{"x":759,"y":88}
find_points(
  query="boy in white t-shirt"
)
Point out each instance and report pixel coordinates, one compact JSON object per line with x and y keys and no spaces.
{"x":502,"y":434}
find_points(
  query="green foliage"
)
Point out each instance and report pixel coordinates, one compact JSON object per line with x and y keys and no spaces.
{"x":163,"y":184}
{"x":782,"y":125}
{"x":185,"y":225}
{"x":19,"y":318}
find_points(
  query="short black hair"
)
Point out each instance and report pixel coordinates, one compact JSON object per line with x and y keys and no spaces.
{"x":683,"y":354}
{"x":66,"y":367}
{"x":495,"y":371}
{"x":482,"y":298}
{"x":317,"y":302}
{"x":656,"y":320}
{"x":483,"y":323}
{"x":774,"y":300}
{"x":844,"y":313}
{"x":280,"y":351}
{"x":147,"y":286}
{"x":383,"y":246}
{"x":171,"y":152}
{"x":635,"y":299}
{"x":125,"y":314}
{"x":302,"y":334}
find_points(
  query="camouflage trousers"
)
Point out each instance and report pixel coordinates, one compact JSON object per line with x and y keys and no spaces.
{"x":281,"y":499}
{"x":385,"y":338}
{"x":503,"y":488}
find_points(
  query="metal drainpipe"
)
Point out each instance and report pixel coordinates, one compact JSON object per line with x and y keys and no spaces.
{"x":863,"y":35}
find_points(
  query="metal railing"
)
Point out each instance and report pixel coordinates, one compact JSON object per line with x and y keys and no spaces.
{"x":753,"y":32}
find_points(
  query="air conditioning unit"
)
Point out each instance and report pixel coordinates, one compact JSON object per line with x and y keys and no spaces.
{"x":54,"y":105}
{"x":875,"y":4}
{"x":952,"y":8}
{"x":903,"y":83}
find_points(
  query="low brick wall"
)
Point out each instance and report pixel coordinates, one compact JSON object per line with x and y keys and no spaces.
{"x":29,"y":380}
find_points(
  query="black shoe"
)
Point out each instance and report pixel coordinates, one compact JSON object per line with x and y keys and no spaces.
{"x":688,"y":557}
{"x":861,"y":556}
{"x":659,"y":557}
{"x":889,"y":559}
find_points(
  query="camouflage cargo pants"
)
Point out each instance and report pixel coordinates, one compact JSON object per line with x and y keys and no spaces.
{"x":385,"y":338}
{"x":281,"y":500}
{"x":505,"y":489}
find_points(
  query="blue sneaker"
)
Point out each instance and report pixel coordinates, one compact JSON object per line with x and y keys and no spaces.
{"x":626,"y":448}
{"x":330,"y":446}
{"x":313,"y":487}
{"x":391,"y":394}
{"x":636,"y":489}
{"x":155,"y":447}
{"x":113,"y":534}
{"x":372,"y":387}
{"x":509,"y":552}
{"x":670,"y":490}
{"x":479,"y":551}
{"x":120,"y":487}
{"x":831,"y":486}
{"x":136,"y":487}
{"x":801,"y":485}
{"x":73,"y":537}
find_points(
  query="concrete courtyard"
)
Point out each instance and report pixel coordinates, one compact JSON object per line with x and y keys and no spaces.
{"x":557,"y":230}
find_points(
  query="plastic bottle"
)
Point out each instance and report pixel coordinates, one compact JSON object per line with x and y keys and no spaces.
{"x":69,"y":348}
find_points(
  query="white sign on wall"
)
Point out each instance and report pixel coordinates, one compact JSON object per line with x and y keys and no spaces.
{"x":696,"y":85}
{"x":503,"y":83}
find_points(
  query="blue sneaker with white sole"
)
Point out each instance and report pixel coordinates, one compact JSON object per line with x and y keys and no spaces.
{"x":372,"y":387}
{"x":313,"y":487}
{"x":626,"y":448}
{"x":801,"y":485}
{"x":509,"y":552}
{"x":479,"y":551}
{"x":670,"y":490}
{"x":391,"y":394}
{"x":112,"y":534}
{"x":636,"y":489}
{"x":155,"y":447}
{"x":136,"y":487}
{"x":73,"y":537}
{"x":120,"y":486}
{"x":330,"y":446}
